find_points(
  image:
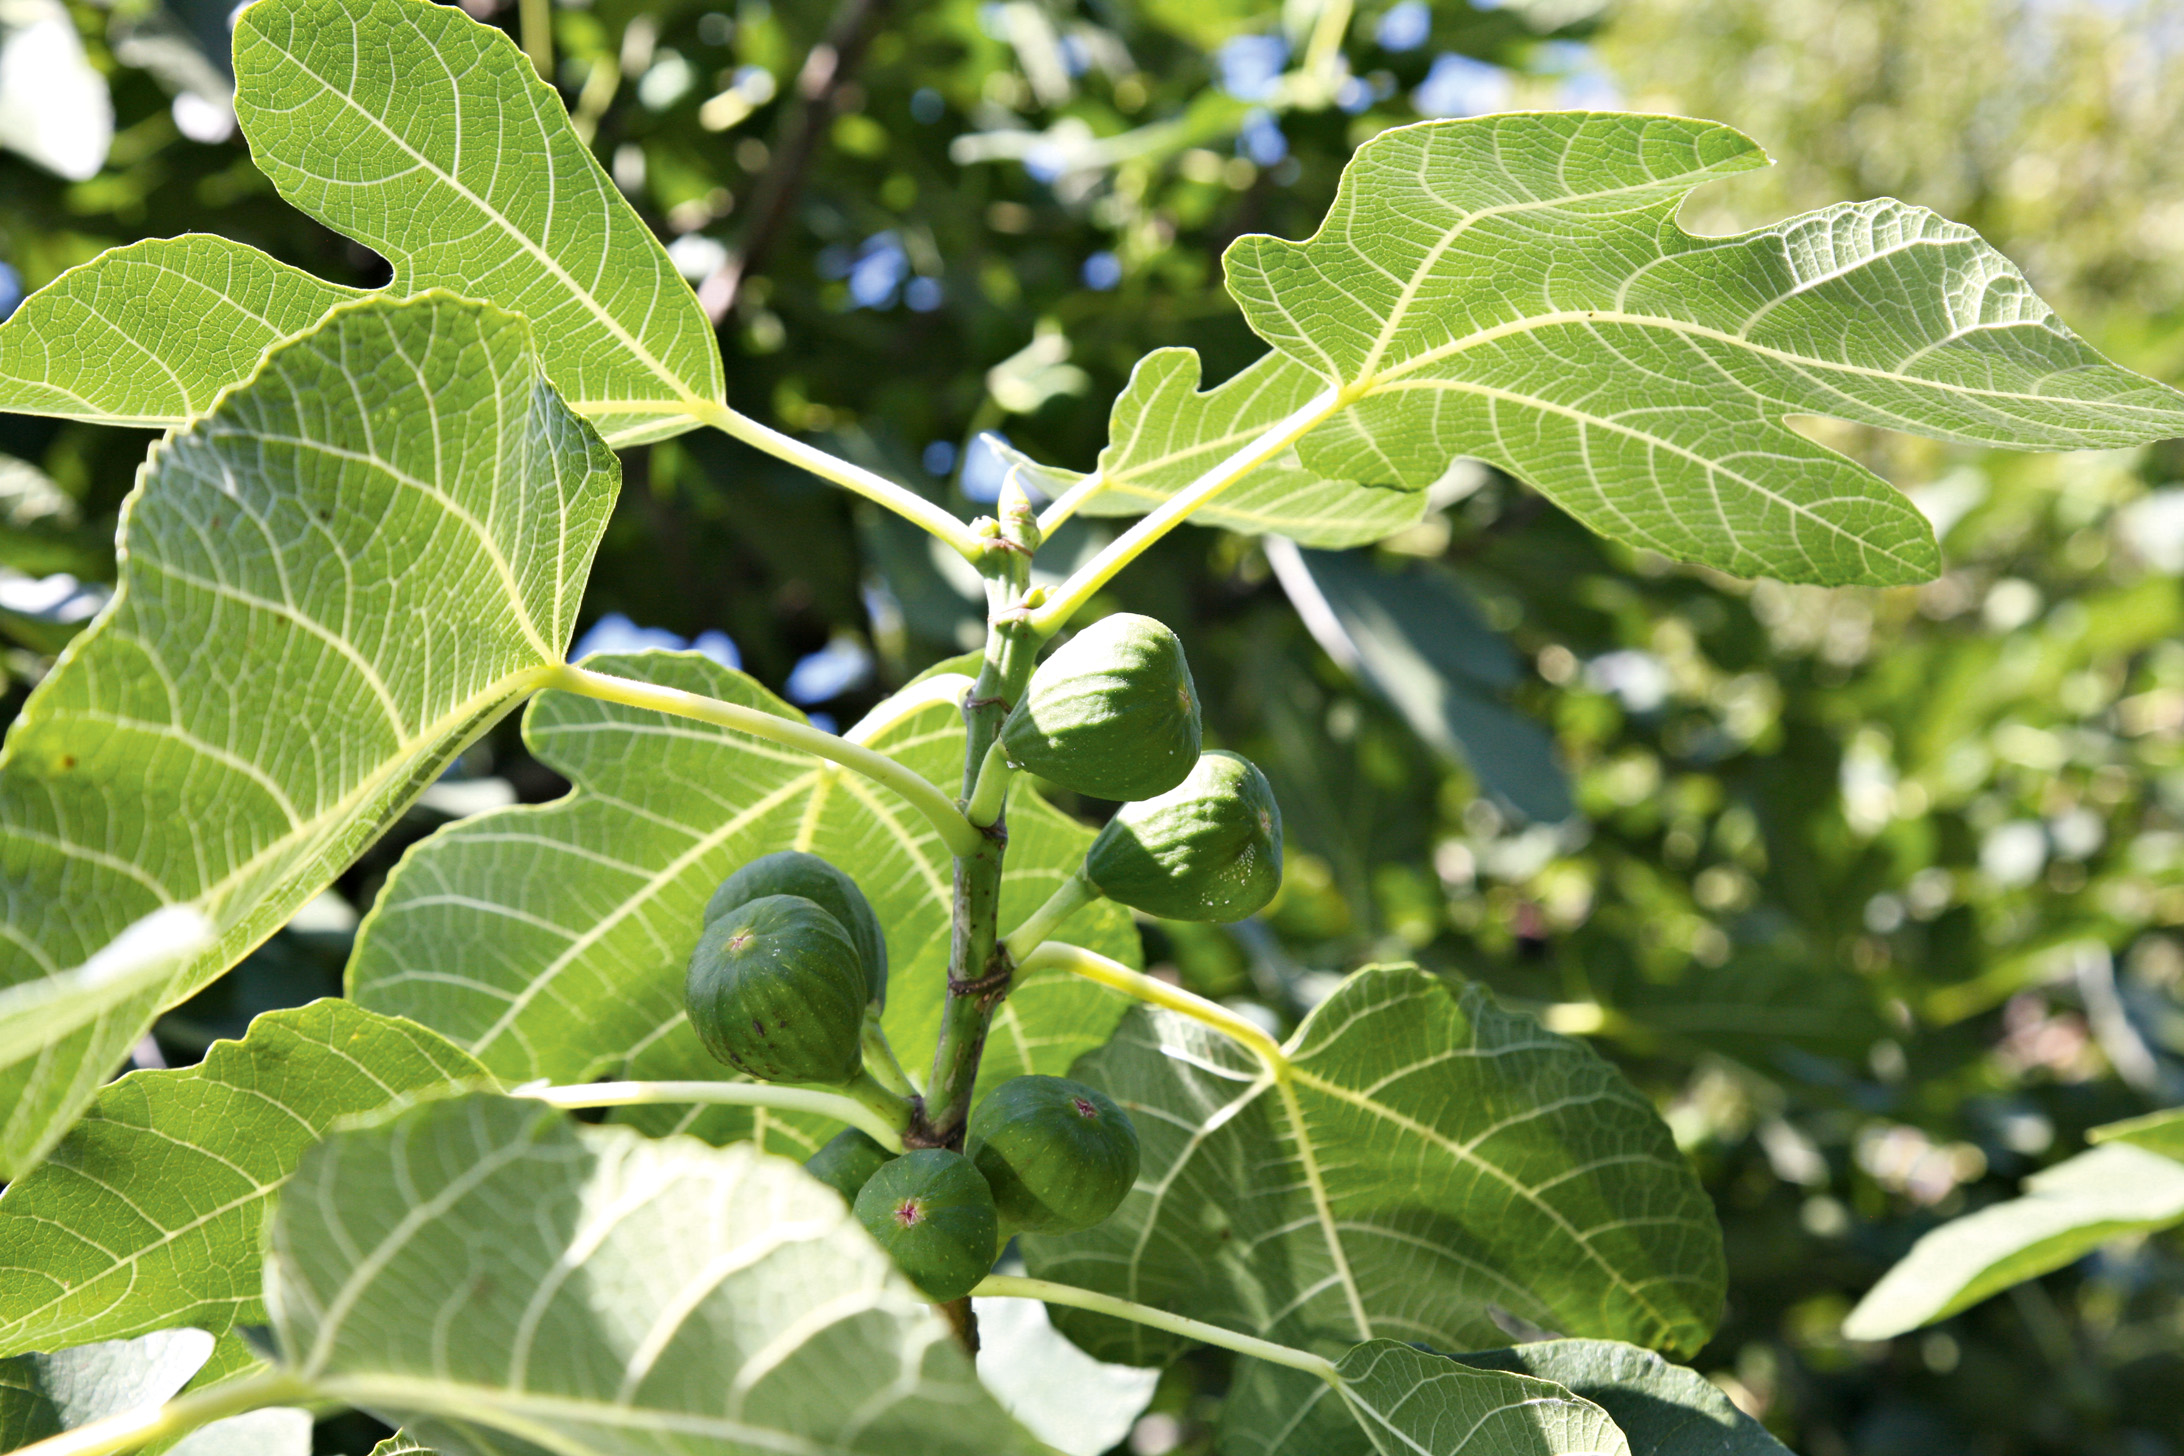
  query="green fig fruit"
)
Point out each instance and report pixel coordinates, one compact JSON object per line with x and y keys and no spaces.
{"x":1058,"y":1155}
{"x":776,"y":990}
{"x":1208,"y":849}
{"x":791,"y":872}
{"x":847,"y":1162}
{"x":932,"y":1211}
{"x":1112,"y":713}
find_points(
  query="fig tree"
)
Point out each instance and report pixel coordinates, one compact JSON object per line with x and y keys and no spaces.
{"x":776,"y":990}
{"x":1208,"y":849}
{"x":932,"y":1211}
{"x":1112,"y":713}
{"x":1058,"y":1155}
{"x":847,"y":1162}
{"x":791,"y":872}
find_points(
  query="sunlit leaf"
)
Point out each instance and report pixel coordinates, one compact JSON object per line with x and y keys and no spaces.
{"x":279,"y":676}
{"x":1662,"y":1409}
{"x":496,"y":1279}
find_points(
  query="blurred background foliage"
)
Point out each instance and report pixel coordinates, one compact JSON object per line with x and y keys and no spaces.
{"x":1880,"y":894}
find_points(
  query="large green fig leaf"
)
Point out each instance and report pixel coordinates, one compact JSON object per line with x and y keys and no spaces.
{"x":1406,"y":1401}
{"x":1662,"y":1409}
{"x":329,"y":587}
{"x":551,"y":941}
{"x":1516,"y":288}
{"x":151,"y":333}
{"x":494,"y":1278}
{"x":1163,"y":434}
{"x":151,"y":1211}
{"x":1414,"y":1158}
{"x":430,"y":138}
{"x":2067,"y":1211}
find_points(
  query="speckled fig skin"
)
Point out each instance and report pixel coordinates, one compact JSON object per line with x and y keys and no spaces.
{"x":932,"y":1211}
{"x":1058,"y":1155}
{"x":847,"y":1162}
{"x":1208,"y":849}
{"x":1113,"y":713}
{"x":792,"y":872}
{"x":776,"y":990}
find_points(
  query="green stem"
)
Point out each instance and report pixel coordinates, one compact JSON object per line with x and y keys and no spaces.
{"x":536,"y":20}
{"x":872,"y":486}
{"x":1070,"y":502}
{"x":131,"y":1429}
{"x":1075,"y":959}
{"x":1172,"y":512}
{"x":1010,"y":1286}
{"x":1327,"y":36}
{"x":978,"y":970}
{"x":939,"y":810}
{"x":839,"y":1106}
{"x":894,"y":1110}
{"x":879,"y":1057}
{"x":990,"y":792}
{"x":1075,"y":893}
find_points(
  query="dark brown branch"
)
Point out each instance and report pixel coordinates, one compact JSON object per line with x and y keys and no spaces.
{"x":819,"y":84}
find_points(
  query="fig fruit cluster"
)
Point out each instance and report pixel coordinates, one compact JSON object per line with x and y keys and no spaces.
{"x":1113,"y":714}
{"x":1043,"y":1155}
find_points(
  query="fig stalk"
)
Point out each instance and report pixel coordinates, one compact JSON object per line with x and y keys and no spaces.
{"x":1074,"y":894}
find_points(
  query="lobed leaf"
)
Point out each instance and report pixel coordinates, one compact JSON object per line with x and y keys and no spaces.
{"x":150,"y":1213}
{"x":430,"y":138}
{"x":151,"y":333}
{"x":1516,"y":288}
{"x":494,"y":1278}
{"x":2067,"y":1211}
{"x":1416,"y":1159}
{"x":329,"y":587}
{"x":551,"y":941}
{"x":1164,"y":433}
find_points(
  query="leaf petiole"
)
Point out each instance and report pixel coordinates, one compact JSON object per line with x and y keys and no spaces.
{"x":939,"y":810}
{"x":131,"y":1429}
{"x":1011,"y":1286}
{"x":1172,"y":512}
{"x":841,"y":1106}
{"x":1070,"y":502}
{"x":1075,"y":959}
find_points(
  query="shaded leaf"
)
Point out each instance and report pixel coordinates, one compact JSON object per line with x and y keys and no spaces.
{"x":486,"y":1275}
{"x":551,"y":941}
{"x":151,"y":333}
{"x":1515,"y":288}
{"x":276,"y":678}
{"x":430,"y":138}
{"x":1662,"y":1409}
{"x":2067,"y":1211}
{"x":150,"y":1212}
{"x":43,"y":1395}
{"x":1417,"y":1158}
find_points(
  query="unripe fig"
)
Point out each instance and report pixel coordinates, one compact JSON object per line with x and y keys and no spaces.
{"x":932,"y":1211}
{"x":1058,"y":1155}
{"x":791,"y":872}
{"x":1208,"y":849}
{"x":1112,"y":713}
{"x":847,"y":1162}
{"x":776,"y":991}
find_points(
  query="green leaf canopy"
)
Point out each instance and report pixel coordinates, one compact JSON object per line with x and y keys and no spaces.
{"x":1661,"y":1408}
{"x":151,"y":1211}
{"x":430,"y":138}
{"x":281,"y":672}
{"x":1415,"y":1158}
{"x":1515,"y":288}
{"x":551,"y":941}
{"x":497,"y":1279}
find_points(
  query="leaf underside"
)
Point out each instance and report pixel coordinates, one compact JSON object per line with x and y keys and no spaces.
{"x":276,"y":678}
{"x":495,"y":1279}
{"x":1427,"y":1157}
{"x":552,"y":941}
{"x":149,"y":1213}
{"x":1662,"y":1409}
